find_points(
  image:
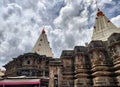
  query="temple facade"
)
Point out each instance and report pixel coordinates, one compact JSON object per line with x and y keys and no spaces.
{"x":94,"y":65}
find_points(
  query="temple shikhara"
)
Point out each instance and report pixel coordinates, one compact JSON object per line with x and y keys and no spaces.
{"x":94,"y":65}
{"x":42,"y":46}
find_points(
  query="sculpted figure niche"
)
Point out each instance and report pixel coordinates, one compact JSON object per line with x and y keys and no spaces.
{"x":97,"y":57}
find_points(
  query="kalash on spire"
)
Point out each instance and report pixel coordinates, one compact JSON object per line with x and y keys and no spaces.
{"x":103,"y":27}
{"x":42,"y":46}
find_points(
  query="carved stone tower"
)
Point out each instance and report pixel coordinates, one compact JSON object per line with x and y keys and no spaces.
{"x":82,"y":67}
{"x":67,"y":69}
{"x":103,"y":27}
{"x":55,"y":66}
{"x":42,"y":45}
{"x":100,"y":64}
{"x":114,"y":45}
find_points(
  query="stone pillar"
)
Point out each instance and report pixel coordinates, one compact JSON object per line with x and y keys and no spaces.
{"x":115,"y":49}
{"x":101,"y":66}
{"x":59,"y":77}
{"x":51,"y":78}
{"x":54,"y":73}
{"x":100,"y":69}
{"x":82,"y":72}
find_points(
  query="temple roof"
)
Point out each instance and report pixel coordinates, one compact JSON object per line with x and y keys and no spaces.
{"x":103,"y":27}
{"x":42,"y":46}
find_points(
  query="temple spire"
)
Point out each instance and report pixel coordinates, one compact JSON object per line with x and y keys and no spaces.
{"x":103,"y":27}
{"x":43,"y":31}
{"x":42,"y":46}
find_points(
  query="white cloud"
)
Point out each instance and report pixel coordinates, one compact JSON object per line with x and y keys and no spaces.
{"x":67,"y":22}
{"x":73,"y":21}
{"x":116,"y":20}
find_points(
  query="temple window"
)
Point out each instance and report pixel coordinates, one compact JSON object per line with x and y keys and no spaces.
{"x":118,"y":39}
{"x":78,"y":50}
{"x":28,"y":62}
{"x":41,"y":73}
{"x":112,"y":41}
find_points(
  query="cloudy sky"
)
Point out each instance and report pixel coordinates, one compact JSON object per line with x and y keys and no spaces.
{"x":67,"y":22}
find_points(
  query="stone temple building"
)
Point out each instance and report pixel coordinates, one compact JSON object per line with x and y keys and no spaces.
{"x":96,"y":64}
